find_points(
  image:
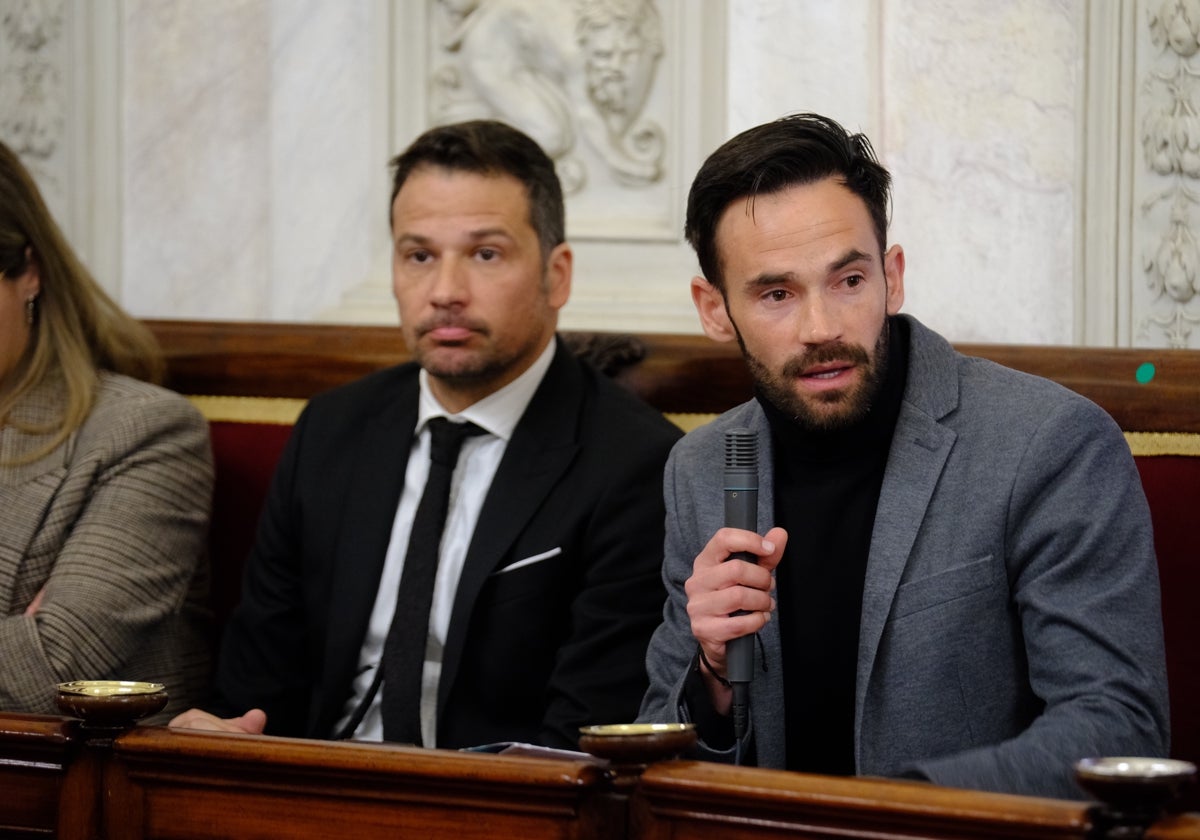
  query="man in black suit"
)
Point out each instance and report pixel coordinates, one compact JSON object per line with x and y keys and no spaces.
{"x":548,"y":579}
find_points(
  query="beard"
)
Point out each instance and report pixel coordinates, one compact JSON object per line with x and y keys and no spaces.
{"x":829,"y":410}
{"x":475,"y":369}
{"x":480,"y":360}
{"x":451,"y":361}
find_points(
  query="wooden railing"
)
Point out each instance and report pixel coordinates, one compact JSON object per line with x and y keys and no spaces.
{"x":678,"y":799}
{"x":165,"y":784}
{"x":35,"y":752}
{"x":674,"y":373}
{"x":58,"y":779}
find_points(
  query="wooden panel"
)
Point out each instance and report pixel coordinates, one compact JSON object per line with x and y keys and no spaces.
{"x":686,"y":800}
{"x":34,"y":751}
{"x":1175,"y":827}
{"x":168,"y":784}
{"x":1169,"y":402}
{"x":272,"y":360}
{"x":155,"y":782}
{"x":675,"y":373}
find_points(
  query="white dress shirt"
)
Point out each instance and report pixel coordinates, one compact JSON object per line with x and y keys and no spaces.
{"x":497,"y":414}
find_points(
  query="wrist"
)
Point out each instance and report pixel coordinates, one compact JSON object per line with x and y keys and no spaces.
{"x":706,"y":667}
{"x":720,"y":691}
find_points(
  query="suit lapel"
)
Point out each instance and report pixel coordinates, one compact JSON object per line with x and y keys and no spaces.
{"x":920,"y":447}
{"x":365,"y":528}
{"x":767,"y":697}
{"x":543,"y":445}
{"x":919,"y":452}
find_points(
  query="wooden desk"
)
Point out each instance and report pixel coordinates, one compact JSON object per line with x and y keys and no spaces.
{"x":685,"y":800}
{"x":56,"y":780}
{"x":34,"y":753}
{"x":695,"y":799}
{"x":174,"y":784}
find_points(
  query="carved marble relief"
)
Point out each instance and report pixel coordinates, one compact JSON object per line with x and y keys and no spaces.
{"x":1170,"y":138}
{"x":582,"y":77}
{"x":32,"y":98}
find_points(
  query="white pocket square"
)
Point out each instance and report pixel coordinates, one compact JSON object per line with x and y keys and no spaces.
{"x":529,"y":561}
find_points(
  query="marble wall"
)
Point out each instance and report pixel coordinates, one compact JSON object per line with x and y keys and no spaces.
{"x":248,"y":156}
{"x":237,"y":149}
{"x":973,"y":106}
{"x":981,"y":130}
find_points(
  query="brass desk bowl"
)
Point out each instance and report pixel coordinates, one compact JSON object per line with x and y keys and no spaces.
{"x":1134,"y":783}
{"x":637,"y":743}
{"x":110,"y":703}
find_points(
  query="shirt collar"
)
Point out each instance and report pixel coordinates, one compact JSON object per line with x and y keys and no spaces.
{"x":497,"y":413}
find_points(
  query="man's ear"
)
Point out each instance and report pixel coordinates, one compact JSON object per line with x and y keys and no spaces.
{"x":710,"y":306}
{"x":558,"y":275}
{"x":893,"y":270}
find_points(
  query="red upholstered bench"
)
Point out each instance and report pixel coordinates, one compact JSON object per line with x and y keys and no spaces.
{"x":248,"y":436}
{"x":1172,"y":485}
{"x":245,"y":456}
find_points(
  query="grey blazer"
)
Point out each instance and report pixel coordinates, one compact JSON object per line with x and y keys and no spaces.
{"x":113,"y":525}
{"x":1010,"y":621}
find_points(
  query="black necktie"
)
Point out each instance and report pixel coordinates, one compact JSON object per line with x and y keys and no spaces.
{"x":404,"y":649}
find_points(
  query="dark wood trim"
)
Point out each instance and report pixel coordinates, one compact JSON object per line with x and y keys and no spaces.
{"x":35,"y":752}
{"x":177,"y":784}
{"x":156,"y":782}
{"x":675,"y":373}
{"x":723,"y":801}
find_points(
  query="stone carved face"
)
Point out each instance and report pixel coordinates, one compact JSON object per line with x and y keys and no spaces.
{"x":621,"y":45}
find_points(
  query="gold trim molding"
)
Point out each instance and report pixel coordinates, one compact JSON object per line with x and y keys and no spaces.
{"x":277,"y":410}
{"x":282,"y":410}
{"x":1148,"y":444}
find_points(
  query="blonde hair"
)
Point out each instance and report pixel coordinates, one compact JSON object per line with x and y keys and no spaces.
{"x":77,"y":329}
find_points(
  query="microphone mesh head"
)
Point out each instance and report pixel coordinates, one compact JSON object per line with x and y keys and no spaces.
{"x":741,"y":450}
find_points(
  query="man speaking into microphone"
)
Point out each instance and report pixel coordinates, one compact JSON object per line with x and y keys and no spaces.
{"x":952,"y":577}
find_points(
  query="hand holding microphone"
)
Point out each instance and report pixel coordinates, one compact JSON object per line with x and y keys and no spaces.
{"x":728,"y":600}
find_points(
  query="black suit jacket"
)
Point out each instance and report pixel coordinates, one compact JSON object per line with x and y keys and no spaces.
{"x":530,"y":655}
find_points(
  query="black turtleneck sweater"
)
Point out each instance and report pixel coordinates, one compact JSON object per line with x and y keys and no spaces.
{"x":826,"y":491}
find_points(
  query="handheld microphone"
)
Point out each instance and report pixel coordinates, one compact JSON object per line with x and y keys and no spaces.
{"x":741,"y":511}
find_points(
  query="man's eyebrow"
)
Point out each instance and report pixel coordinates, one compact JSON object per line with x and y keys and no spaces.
{"x":414,"y":238}
{"x":484,"y":233}
{"x":766,"y":280}
{"x":473,"y":235}
{"x":849,"y":258}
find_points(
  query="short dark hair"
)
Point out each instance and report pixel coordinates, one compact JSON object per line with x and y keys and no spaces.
{"x":793,"y":150}
{"x":490,"y":147}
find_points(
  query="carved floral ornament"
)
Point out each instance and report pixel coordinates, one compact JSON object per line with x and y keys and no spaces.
{"x":30,"y":83}
{"x":560,"y":71}
{"x":1171,"y":143}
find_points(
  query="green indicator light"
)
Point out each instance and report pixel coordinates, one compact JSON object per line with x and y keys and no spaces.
{"x":1145,"y":372}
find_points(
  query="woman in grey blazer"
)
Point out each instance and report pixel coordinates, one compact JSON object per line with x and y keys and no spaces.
{"x":105,"y":480}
